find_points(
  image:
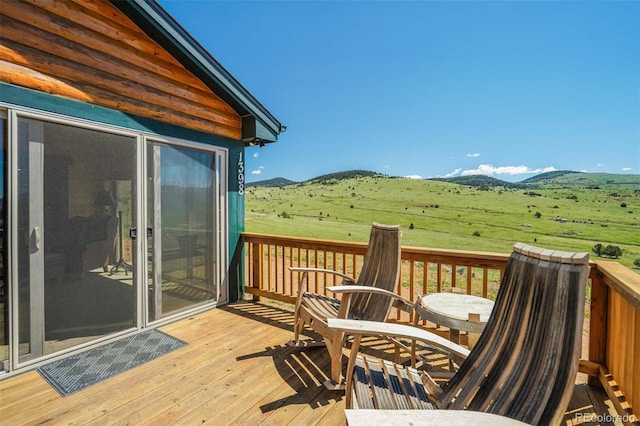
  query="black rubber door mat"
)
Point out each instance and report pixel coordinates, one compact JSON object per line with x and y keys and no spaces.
{"x":79,"y":371}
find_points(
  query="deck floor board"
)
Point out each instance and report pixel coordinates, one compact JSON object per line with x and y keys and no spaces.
{"x":235,"y":369}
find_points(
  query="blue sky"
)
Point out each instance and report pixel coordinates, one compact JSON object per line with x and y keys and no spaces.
{"x":433,"y":89}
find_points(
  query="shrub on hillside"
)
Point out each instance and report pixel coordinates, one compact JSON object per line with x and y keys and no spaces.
{"x":597,"y":249}
{"x":611,"y":251}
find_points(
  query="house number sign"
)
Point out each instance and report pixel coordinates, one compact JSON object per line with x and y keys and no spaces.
{"x":240,"y":175}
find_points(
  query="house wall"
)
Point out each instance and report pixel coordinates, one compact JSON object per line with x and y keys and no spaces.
{"x":235,"y":196}
{"x":91,"y":52}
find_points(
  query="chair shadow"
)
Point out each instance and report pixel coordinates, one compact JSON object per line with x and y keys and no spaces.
{"x":304,"y":370}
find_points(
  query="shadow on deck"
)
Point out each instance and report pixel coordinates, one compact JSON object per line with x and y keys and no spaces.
{"x":235,"y":369}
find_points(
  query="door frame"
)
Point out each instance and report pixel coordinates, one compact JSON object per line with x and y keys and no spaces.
{"x":14,"y":114}
{"x":35,"y":148}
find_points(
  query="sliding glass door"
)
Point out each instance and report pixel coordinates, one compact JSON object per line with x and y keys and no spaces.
{"x":182,"y":229}
{"x":93,"y":254}
{"x":75,"y":201}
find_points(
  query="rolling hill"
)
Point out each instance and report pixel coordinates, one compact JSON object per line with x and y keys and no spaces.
{"x":272,"y":183}
{"x":481,"y":181}
{"x":558,"y":178}
{"x":436,"y":213}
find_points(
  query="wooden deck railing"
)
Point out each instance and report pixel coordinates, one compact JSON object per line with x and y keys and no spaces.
{"x":614,"y":334}
{"x":614,"y":308}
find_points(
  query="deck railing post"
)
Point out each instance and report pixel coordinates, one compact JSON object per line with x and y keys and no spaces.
{"x":598,"y":322}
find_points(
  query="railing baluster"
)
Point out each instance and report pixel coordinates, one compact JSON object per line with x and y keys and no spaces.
{"x":257,"y":268}
{"x":425,"y":277}
{"x":485,"y":282}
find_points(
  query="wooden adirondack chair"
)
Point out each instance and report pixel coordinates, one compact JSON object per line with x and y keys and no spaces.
{"x":370,"y":297}
{"x":524,"y":364}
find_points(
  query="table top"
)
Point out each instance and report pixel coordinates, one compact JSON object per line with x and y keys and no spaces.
{"x":425,"y":418}
{"x":452,"y":310}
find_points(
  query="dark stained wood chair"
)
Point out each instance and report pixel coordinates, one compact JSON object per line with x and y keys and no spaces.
{"x":524,"y":364}
{"x":370,"y":297}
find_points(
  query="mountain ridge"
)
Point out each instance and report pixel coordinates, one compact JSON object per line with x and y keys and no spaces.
{"x":558,"y":177}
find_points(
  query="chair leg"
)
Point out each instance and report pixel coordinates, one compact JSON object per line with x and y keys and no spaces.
{"x":335,"y":354}
{"x":298,"y":326}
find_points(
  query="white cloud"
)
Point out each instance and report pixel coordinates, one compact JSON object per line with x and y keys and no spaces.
{"x":599,"y":165}
{"x":258,"y":171}
{"x":627,"y":169}
{"x":456,"y":172}
{"x":386,"y":166}
{"x":413,"y":177}
{"x":473,"y":155}
{"x":256,"y":155}
{"x":490,"y":170}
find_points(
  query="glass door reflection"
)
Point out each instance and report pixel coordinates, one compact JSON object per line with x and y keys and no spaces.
{"x":181,"y":216}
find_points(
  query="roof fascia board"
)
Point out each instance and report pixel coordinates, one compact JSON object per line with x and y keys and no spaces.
{"x":237,"y":96}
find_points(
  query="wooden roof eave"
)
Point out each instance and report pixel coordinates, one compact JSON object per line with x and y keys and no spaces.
{"x":259,"y":125}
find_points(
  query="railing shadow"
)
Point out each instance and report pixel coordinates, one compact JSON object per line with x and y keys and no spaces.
{"x":262,"y":313}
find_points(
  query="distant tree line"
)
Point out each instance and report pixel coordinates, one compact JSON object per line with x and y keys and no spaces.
{"x":611,"y":251}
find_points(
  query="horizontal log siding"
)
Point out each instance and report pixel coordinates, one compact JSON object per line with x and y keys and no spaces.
{"x":89,"y":51}
{"x":614,"y":330}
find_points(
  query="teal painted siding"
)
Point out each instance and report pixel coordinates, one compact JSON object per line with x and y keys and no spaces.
{"x":236,"y":246}
{"x":236,"y":223}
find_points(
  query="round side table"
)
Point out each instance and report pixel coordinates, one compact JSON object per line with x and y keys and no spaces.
{"x":458,"y":312}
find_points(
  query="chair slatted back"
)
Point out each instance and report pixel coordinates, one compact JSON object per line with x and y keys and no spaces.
{"x":525,"y":362}
{"x":381,"y":269}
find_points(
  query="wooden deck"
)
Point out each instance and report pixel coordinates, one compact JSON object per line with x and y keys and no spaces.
{"x":234,"y":370}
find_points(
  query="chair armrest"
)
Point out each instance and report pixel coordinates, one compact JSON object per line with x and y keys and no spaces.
{"x":399,"y":301}
{"x":385,"y":329}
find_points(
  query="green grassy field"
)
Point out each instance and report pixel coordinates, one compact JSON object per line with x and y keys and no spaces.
{"x":447,"y":215}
